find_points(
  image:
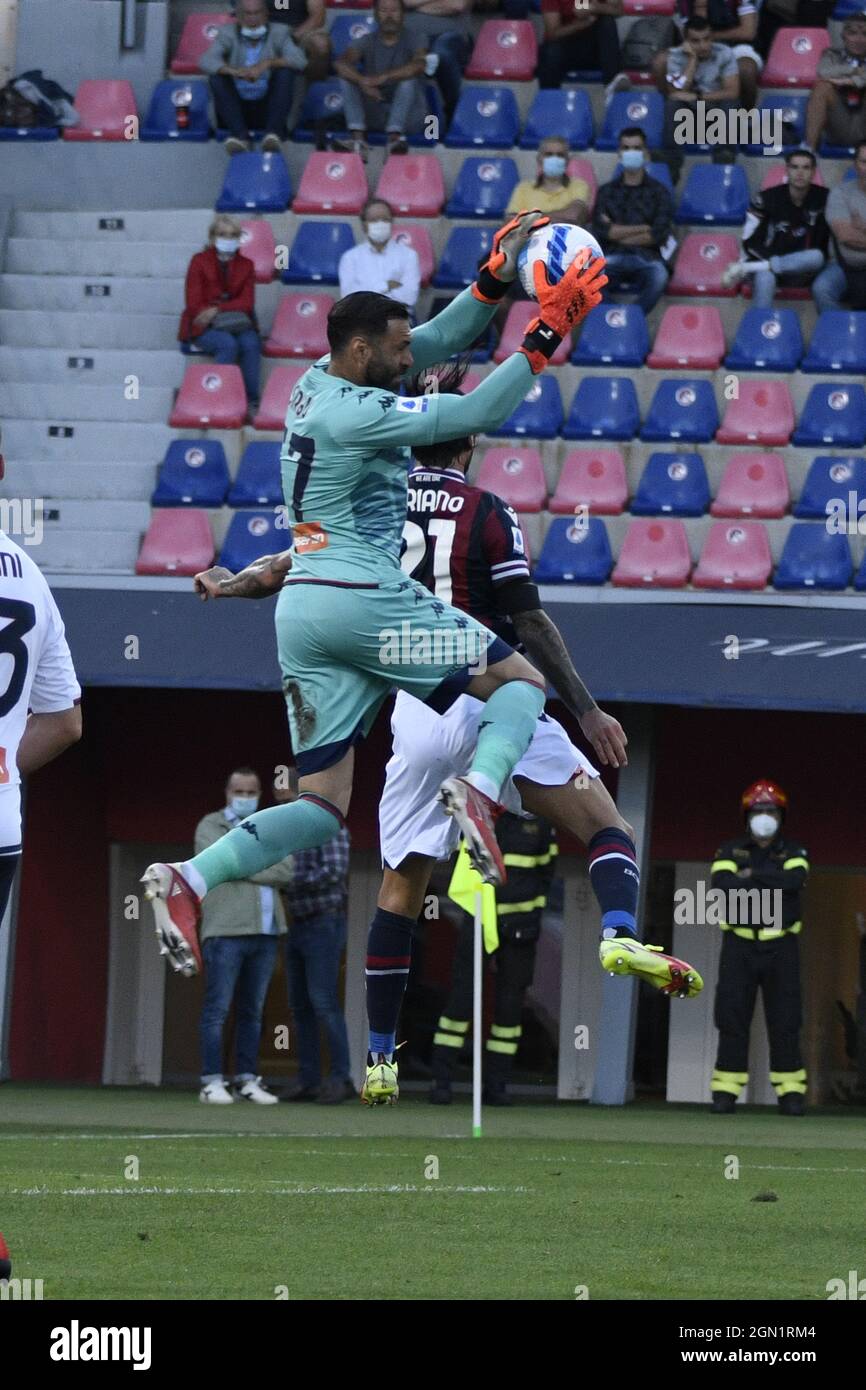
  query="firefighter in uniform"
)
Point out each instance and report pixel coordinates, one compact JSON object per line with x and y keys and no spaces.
{"x":511,"y":937}
{"x":761,"y":952}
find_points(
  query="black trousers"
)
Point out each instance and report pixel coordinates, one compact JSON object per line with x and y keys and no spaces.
{"x":270,"y":114}
{"x":774,"y":968}
{"x":514,"y":964}
{"x":596,"y":47}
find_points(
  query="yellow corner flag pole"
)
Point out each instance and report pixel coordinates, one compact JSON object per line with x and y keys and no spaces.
{"x":478,"y":899}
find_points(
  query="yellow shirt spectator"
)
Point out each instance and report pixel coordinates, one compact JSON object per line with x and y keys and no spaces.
{"x":527,"y":195}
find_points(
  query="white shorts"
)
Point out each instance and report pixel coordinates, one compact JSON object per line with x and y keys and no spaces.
{"x":429,"y":747}
{"x":745,"y":50}
{"x":10,"y":819}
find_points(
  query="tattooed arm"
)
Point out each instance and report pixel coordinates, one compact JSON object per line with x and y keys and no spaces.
{"x":259,"y":580}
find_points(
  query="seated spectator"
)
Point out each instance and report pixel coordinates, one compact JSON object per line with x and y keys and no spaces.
{"x":309,"y":30}
{"x":699,"y":70}
{"x":577,"y":38}
{"x":785,"y":235}
{"x":380,"y":77}
{"x":837,"y":103}
{"x":553,"y":191}
{"x":442,"y":27}
{"x":844,"y":281}
{"x":220,"y":317}
{"x":733,"y":23}
{"x":632,"y":221}
{"x":380,"y":263}
{"x":251,"y":65}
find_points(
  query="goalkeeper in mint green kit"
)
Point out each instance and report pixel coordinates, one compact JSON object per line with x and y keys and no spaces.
{"x":350,"y":625}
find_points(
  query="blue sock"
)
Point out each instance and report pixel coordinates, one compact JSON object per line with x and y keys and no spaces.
{"x":389,"y":955}
{"x":615,"y":880}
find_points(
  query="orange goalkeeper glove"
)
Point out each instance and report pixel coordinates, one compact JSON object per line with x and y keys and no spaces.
{"x":563,"y":306}
{"x":500,"y":268}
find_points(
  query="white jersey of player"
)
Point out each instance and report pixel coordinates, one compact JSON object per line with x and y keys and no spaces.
{"x":36,"y":672}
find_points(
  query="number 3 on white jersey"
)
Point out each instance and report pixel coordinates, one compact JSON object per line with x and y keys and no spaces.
{"x":440,"y":534}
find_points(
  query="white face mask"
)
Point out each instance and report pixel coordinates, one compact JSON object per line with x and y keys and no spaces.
{"x":379,"y":232}
{"x":227,"y":246}
{"x":763,"y":825}
{"x":244,"y":805}
{"x":258,"y":33}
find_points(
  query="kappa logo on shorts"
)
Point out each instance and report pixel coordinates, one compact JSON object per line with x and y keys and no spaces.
{"x":310,"y":535}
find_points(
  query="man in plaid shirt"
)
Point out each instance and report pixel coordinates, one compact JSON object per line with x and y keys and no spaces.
{"x":315,"y":903}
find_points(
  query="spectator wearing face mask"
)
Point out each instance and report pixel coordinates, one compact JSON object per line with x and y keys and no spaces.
{"x":760,"y":951}
{"x":241,"y":926}
{"x":381,"y":263}
{"x":219,"y":318}
{"x":553,"y":190}
{"x":633,"y":221}
{"x":251,"y":65}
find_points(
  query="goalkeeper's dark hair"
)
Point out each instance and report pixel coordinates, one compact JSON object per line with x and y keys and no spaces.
{"x":365,"y":313}
{"x":446,"y":378}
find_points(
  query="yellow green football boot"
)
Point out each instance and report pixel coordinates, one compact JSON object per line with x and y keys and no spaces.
{"x":380,"y":1084}
{"x":625,"y":955}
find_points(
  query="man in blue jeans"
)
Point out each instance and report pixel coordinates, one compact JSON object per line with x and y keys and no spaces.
{"x":316,"y":901}
{"x":242,"y":923}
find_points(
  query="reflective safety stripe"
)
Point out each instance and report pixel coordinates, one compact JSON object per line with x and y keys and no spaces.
{"x":784,"y":1082}
{"x":530,"y":861}
{"x":497,"y":1031}
{"x":730,"y":1081}
{"x":798,"y":862}
{"x":723,"y":864}
{"x":447,"y":1040}
{"x":503,"y":908}
{"x":763,"y":933}
{"x":509,"y":1048}
{"x":454,"y":1024}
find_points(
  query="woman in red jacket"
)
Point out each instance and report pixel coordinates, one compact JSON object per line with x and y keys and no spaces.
{"x":220,"y":317}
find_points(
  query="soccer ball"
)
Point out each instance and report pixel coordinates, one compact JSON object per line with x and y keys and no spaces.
{"x":557,"y":244}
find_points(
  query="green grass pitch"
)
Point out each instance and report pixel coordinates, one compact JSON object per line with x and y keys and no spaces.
{"x":140,"y":1194}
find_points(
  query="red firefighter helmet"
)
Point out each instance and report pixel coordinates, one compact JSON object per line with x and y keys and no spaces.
{"x":763,"y":793}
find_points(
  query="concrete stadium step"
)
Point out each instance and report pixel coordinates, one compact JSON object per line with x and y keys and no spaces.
{"x":75,"y":514}
{"x":87,"y":552}
{"x":159,"y":225}
{"x":33,"y":441}
{"x":152,"y":259}
{"x":87,"y":482}
{"x":28,"y":401}
{"x":99,"y":367}
{"x":98,"y":294}
{"x":49,"y":329}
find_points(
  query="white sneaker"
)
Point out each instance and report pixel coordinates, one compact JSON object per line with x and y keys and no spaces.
{"x":216,"y":1093}
{"x":254,"y":1090}
{"x":735,"y":272}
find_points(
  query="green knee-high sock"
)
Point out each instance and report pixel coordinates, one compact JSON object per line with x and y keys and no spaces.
{"x":510,"y":716}
{"x":264,"y":838}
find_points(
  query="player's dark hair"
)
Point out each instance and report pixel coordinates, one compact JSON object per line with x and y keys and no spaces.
{"x":801,"y":154}
{"x":365,"y":313}
{"x":631,"y":131}
{"x":698,"y":24}
{"x":446,"y":378}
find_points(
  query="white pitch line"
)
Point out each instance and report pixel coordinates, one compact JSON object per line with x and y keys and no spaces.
{"x":316,"y":1191}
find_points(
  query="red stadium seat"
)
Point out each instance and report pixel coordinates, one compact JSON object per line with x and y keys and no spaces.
{"x":762,"y":413}
{"x":300,"y":326}
{"x":777,"y":174}
{"x":515,"y":475}
{"x":655,"y":554}
{"x":753,"y":485}
{"x":470,"y":381}
{"x":105,"y":106}
{"x":199,"y":32}
{"x":592,"y":478}
{"x":211,"y":397}
{"x":689,"y":336}
{"x":505,"y":48}
{"x":178,"y":541}
{"x":701,"y":262}
{"x":735,"y":555}
{"x":521,"y":311}
{"x":419,"y":239}
{"x":332,"y":183}
{"x":649,"y":6}
{"x":271,"y":414}
{"x":638,"y":78}
{"x":257,"y":242}
{"x":582,"y":169}
{"x":412,"y":184}
{"x":793,"y":58}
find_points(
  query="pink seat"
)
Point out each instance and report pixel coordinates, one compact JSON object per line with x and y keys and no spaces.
{"x":736,"y":555}
{"x":689,"y":336}
{"x":592,"y":478}
{"x":470,"y":381}
{"x":300,"y":326}
{"x":257,"y":242}
{"x":582,"y":169}
{"x":515,"y":475}
{"x":777,"y":174}
{"x":199,"y":32}
{"x":793,"y":58}
{"x":211,"y":397}
{"x":332,"y":183}
{"x":654,"y":554}
{"x":753,"y":485}
{"x":504,"y":48}
{"x":762,"y":413}
{"x":419,"y":239}
{"x":702,"y":261}
{"x":412,"y":184}
{"x":271,"y":414}
{"x":105,"y":107}
{"x":521,"y":311}
{"x":638,"y":78}
{"x":649,"y":6}
{"x":178,"y":541}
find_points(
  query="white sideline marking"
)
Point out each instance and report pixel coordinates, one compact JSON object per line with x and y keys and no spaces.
{"x":299,"y":1191}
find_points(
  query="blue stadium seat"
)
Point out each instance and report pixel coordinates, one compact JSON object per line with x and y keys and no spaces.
{"x":614,"y":334}
{"x":316,"y":251}
{"x":604,"y":407}
{"x":834,"y":484}
{"x":253,"y":534}
{"x":860,"y":576}
{"x":715,"y":193}
{"x":29,"y":132}
{"x":540,"y":413}
{"x":672,"y":484}
{"x":813,"y":558}
{"x":567,"y":114}
{"x":321,"y":101}
{"x":682,"y":409}
{"x":458,"y":264}
{"x":346,"y":29}
{"x":838,"y":343}
{"x":642,"y":108}
{"x":575,"y":552}
{"x":767,"y":338}
{"x":483,"y":187}
{"x":255,"y":183}
{"x":194,"y":473}
{"x":485,"y":116}
{"x":845,"y":8}
{"x":793,"y":114}
{"x":258,"y":482}
{"x":168,"y":97}
{"x":833,"y":415}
